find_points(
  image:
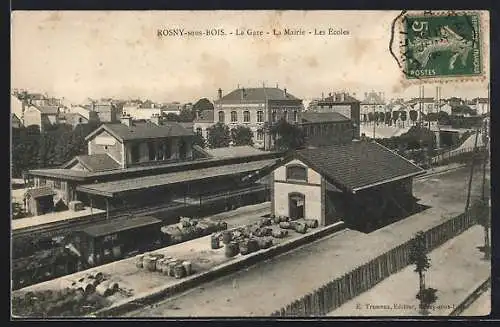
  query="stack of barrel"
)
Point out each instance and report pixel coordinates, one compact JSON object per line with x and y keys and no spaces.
{"x":95,"y":283}
{"x":166,"y":265}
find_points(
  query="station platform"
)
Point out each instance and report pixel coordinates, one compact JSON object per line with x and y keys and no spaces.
{"x":53,"y":217}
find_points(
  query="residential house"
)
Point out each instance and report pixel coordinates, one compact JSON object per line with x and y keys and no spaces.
{"x":87,"y":113}
{"x":15,"y":121}
{"x":73,"y":119}
{"x":254,"y":107}
{"x":344,"y":104}
{"x":17,"y":106}
{"x":106,"y":111}
{"x":326,"y":128}
{"x":481,"y":105}
{"x":373,"y":101}
{"x":202,"y":121}
{"x":42,"y":116}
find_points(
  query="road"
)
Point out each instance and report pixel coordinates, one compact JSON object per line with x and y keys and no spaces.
{"x":269,"y":285}
{"x":459,"y":257}
{"x":480,"y":307}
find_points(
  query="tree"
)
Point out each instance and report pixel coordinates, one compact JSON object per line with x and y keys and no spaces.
{"x":403,"y":117}
{"x":202,"y":105}
{"x":199,"y":140}
{"x":287,"y":136}
{"x":432,"y":116}
{"x":413,"y":116}
{"x":371,"y":117}
{"x":395,"y":116}
{"x":381,"y":117}
{"x":242,"y":135}
{"x":388,"y":118}
{"x":218,"y":136}
{"x":418,"y":257}
{"x":186,"y":115}
{"x":171,"y":117}
{"x":443,"y":118}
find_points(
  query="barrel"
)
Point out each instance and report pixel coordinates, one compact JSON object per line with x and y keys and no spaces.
{"x":179,"y":271}
{"x":243,"y":247}
{"x":265,"y":242}
{"x":311,"y":223}
{"x":285,"y":225}
{"x":171,"y":267}
{"x":85,"y":287}
{"x":266,"y":221}
{"x":253,"y":245}
{"x":159,"y":264}
{"x":227,"y":237}
{"x":113,"y":286}
{"x":103,"y":289}
{"x":284,"y":218}
{"x":215,"y":241}
{"x":231,"y":249}
{"x":187,"y":267}
{"x":221,"y":225}
{"x":139,"y":261}
{"x":300,"y":228}
{"x":281,"y":233}
{"x":150,"y":263}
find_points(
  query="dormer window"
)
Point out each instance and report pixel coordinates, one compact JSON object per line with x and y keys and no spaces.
{"x":296,"y":173}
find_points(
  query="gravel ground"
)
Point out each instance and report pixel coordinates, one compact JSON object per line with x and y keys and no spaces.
{"x":269,"y":285}
{"x":395,"y":296}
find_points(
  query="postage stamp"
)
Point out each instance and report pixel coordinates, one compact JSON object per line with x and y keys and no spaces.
{"x":440,"y":46}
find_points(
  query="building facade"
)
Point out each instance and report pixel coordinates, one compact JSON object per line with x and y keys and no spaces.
{"x":326,"y":128}
{"x":373,"y":101}
{"x":42,"y":116}
{"x":344,"y":104}
{"x":257,"y":109}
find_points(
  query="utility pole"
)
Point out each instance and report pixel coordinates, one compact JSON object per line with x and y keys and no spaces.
{"x":472,"y":170}
{"x":486,"y":149}
{"x":373,"y":121}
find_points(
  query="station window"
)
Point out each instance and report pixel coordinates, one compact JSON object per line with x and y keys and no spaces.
{"x":260,"y":116}
{"x":221,"y":116}
{"x":134,"y":153}
{"x":199,"y":131}
{"x":296,"y":172}
{"x":246,"y":116}
{"x":152,"y":151}
{"x":234,"y":116}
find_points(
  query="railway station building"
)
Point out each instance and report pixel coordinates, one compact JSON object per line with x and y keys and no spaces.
{"x":361,"y":183}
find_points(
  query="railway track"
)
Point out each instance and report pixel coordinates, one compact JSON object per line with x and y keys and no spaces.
{"x":472,"y":297}
{"x":448,"y":170}
{"x":65,"y":227}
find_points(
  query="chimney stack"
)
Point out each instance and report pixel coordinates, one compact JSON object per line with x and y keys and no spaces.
{"x":243,"y":93}
{"x":284,"y":92}
{"x":156,"y":119}
{"x":366,"y":96}
{"x":330,"y":94}
{"x":219,"y":91}
{"x":322,"y":95}
{"x":126,"y":119}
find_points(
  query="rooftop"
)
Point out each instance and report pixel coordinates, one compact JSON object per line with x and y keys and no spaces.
{"x":40,"y":192}
{"x":373,"y":98}
{"x":319,"y":117}
{"x":121,"y":225}
{"x":143,"y":130}
{"x":95,"y":162}
{"x":256,"y":94}
{"x":358,"y":165}
{"x":48,"y":110}
{"x":234,"y":151}
{"x":338,"y":98}
{"x":113,"y":188}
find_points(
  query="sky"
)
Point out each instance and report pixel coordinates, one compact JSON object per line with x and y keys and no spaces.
{"x":97,"y":54}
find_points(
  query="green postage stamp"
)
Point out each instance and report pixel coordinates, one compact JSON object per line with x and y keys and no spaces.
{"x":444,"y":45}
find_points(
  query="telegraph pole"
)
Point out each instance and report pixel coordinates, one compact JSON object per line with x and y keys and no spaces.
{"x":486,"y":148}
{"x":374,"y":121}
{"x":471,"y":170}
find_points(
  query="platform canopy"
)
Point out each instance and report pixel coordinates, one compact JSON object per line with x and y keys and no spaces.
{"x":115,"y":188}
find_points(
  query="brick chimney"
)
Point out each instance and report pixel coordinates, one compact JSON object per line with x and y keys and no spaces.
{"x":284,"y":92}
{"x":219,"y":92}
{"x":156,"y":119}
{"x":243,"y":93}
{"x":126,"y":119}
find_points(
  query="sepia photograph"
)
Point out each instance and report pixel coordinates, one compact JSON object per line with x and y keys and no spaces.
{"x":259,"y":163}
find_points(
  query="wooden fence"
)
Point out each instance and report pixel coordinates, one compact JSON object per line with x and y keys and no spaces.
{"x":332,"y":295}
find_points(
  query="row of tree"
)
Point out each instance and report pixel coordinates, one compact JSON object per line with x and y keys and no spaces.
{"x":390,"y":118}
{"x":32,"y":149}
{"x":285,"y":136}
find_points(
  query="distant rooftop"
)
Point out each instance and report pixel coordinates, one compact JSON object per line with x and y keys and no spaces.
{"x":143,"y":130}
{"x":234,"y":151}
{"x":256,"y":95}
{"x":318,"y":117}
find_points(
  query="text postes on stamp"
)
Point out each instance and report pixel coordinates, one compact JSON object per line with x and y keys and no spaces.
{"x":441,"y":46}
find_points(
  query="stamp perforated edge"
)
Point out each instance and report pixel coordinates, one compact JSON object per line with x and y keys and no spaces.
{"x":481,"y":78}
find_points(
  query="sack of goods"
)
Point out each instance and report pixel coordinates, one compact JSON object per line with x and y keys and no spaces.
{"x":184,"y":222}
{"x":266,"y":221}
{"x":215,"y":241}
{"x":285,"y":225}
{"x":265,"y":242}
{"x":284,"y":218}
{"x":276,"y":219}
{"x":300,"y":228}
{"x":311,"y":223}
{"x":227,"y":236}
{"x":231,"y":249}
{"x":281,"y":233}
{"x":221,"y":225}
